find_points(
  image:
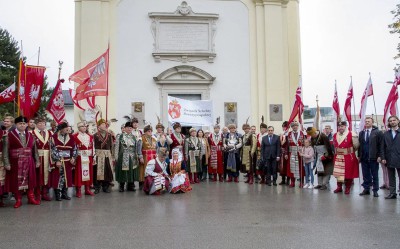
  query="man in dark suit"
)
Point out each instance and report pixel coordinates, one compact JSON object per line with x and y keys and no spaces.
{"x":369,"y":153}
{"x":270,"y":152}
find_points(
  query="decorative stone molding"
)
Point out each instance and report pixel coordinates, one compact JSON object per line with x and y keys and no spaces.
{"x":184,"y":74}
{"x":183,"y":35}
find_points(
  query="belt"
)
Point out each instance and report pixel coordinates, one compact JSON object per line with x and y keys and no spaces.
{"x":42,"y":152}
{"x":344,"y":151}
{"x":85,"y":152}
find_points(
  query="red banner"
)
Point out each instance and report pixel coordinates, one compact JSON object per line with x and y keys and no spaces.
{"x":8,"y":95}
{"x":298,"y":106}
{"x":21,"y":87}
{"x":347,"y":106}
{"x":33,"y":89}
{"x":56,"y":103}
{"x":92,"y":79}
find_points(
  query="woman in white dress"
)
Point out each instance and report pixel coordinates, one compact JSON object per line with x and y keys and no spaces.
{"x":180,"y":182}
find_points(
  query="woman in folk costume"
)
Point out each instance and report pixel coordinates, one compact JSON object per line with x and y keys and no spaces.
{"x":104,"y":155}
{"x":216,"y":161}
{"x":149,"y":151}
{"x":176,"y":169}
{"x":20,"y":157}
{"x":128,"y":151}
{"x":233,"y":143}
{"x":248,"y":152}
{"x":284,"y":164}
{"x":295,"y":143}
{"x":192,"y":154}
{"x":346,"y":165}
{"x":157,"y":179}
{"x":204,"y":154}
{"x":84,"y":160}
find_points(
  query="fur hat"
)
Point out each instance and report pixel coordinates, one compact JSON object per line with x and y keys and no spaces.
{"x":246,"y":125}
{"x":192,"y":130}
{"x":176,"y":125}
{"x":81,"y":124}
{"x":40,"y":120}
{"x":159,"y":124}
{"x":294,"y":123}
{"x":311,"y":131}
{"x":231,"y":126}
{"x":101,"y":121}
{"x":343,"y":123}
{"x":147,"y":128}
{"x":128,"y":124}
{"x":62,"y":125}
{"x":217,"y":123}
{"x":21,"y":119}
{"x":263,"y":125}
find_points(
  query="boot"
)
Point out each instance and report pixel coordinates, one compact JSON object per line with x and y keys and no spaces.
{"x":204,"y":176}
{"x":78,"y":192}
{"x":292,"y":182}
{"x":229,"y":179}
{"x":191,"y":178}
{"x":347,"y":184}
{"x":64,"y":194}
{"x":262,"y":180}
{"x":141,"y":185}
{"x":37,"y":194}
{"x":121,"y":186}
{"x":221,"y":178}
{"x":251,"y":181}
{"x":236,"y":179}
{"x":214,"y":179}
{"x":45,"y":196}
{"x":31,"y":198}
{"x":97,"y":188}
{"x":131,"y":186}
{"x":107,"y":189}
{"x":1,"y":202}
{"x":287,"y":181}
{"x":283,"y":182}
{"x":196,"y":178}
{"x":18,"y":199}
{"x":87,"y":191}
{"x":248,"y":178}
{"x":301,"y":183}
{"x":338,"y":188}
{"x":57,"y":193}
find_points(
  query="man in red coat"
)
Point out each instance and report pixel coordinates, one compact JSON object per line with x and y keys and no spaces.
{"x":176,"y":139}
{"x":84,"y":160}
{"x":20,"y":157}
{"x":63,"y":153}
{"x":216,"y":161}
{"x":345,"y":161}
{"x":42,"y":140}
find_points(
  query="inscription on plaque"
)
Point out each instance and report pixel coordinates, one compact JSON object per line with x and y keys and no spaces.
{"x":183,"y":37}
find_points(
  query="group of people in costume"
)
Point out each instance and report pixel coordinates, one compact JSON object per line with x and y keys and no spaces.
{"x":35,"y":160}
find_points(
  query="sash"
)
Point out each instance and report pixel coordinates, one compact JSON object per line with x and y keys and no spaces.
{"x":214,"y":157}
{"x":45,"y":154}
{"x":192,"y":158}
{"x":2,"y":170}
{"x":101,"y":161}
{"x":85,"y":161}
{"x":246,"y":156}
{"x":294,"y":161}
{"x":24,"y":158}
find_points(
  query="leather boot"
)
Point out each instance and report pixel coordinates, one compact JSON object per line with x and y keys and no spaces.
{"x":347,"y":184}
{"x":236,"y":179}
{"x":338,"y":188}
{"x":45,"y":196}
{"x":283,"y":182}
{"x":37,"y":194}
{"x":64,"y":194}
{"x":106,"y":187}
{"x":229,"y":179}
{"x":78,"y":192}
{"x":251,"y":181}
{"x":262,"y":180}
{"x":214,"y":179}
{"x":87,"y":191}
{"x":121,"y":186}
{"x":292,"y":182}
{"x":31,"y":198}
{"x":196,"y":178}
{"x":221,"y":178}
{"x":248,"y":178}
{"x":191,"y":178}
{"x":287,"y":181}
{"x":57,"y":193}
{"x":18,"y":199}
{"x":131,"y":186}
{"x":141,"y":185}
{"x":97,"y":188}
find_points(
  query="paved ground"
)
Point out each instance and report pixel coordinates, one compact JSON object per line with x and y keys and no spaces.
{"x":213,"y":215}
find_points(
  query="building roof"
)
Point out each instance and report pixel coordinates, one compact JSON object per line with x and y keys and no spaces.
{"x":67,"y":98}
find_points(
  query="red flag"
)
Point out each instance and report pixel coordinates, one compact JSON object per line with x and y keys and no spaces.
{"x":34,"y":79}
{"x":391,"y":102}
{"x":76,"y":103}
{"x":367,"y":92}
{"x":92,"y":79}
{"x":8,"y":95}
{"x":21,"y":87}
{"x":298,"y":106}
{"x":56,"y":103}
{"x":335,"y":104}
{"x":347,"y":106}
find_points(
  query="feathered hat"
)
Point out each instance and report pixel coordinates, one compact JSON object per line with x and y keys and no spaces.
{"x":263,"y":125}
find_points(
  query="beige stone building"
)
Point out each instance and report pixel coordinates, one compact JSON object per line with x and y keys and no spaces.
{"x":244,"y":55}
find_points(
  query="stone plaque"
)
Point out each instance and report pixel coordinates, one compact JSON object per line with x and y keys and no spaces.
{"x":183,"y":35}
{"x":230,"y":113}
{"x":275,"y":112}
{"x":139,"y":113}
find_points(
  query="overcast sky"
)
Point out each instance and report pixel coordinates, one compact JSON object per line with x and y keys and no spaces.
{"x":339,"y":38}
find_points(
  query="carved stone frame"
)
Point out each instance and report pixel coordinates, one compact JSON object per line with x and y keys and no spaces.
{"x":184,"y":15}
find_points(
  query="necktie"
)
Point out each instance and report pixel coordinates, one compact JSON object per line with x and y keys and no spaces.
{"x":367,"y":137}
{"x":269,"y":137}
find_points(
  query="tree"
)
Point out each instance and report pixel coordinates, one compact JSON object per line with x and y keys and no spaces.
{"x":395,"y":26}
{"x":9,"y":64}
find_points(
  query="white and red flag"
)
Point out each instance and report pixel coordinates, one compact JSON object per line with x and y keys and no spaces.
{"x":367,"y":92}
{"x":8,"y":95}
{"x":391,"y":102}
{"x":298,"y":106}
{"x":336,"y":107}
{"x":347,"y":106}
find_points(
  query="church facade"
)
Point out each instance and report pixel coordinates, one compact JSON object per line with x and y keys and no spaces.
{"x":244,"y":55}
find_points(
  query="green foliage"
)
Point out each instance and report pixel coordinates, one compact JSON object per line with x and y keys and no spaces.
{"x":395,"y":26}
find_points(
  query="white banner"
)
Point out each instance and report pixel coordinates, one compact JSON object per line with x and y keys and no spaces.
{"x":190,"y":112}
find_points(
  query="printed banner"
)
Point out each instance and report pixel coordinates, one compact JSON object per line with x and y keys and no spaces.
{"x":190,"y":112}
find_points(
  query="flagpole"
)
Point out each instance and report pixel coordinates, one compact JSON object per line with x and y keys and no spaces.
{"x":16,"y":96}
{"x":354,"y":105}
{"x":373,"y":98}
{"x":38,"y":57}
{"x":108,"y":71}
